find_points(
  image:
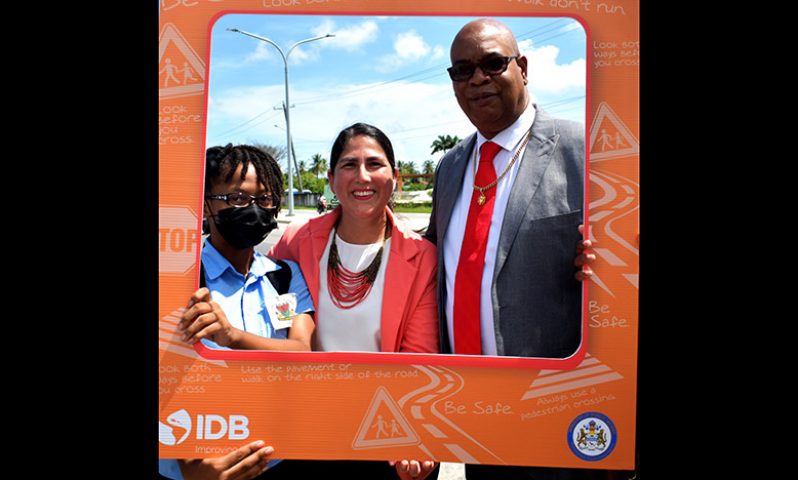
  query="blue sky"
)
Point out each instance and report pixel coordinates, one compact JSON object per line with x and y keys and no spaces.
{"x":387,"y":71}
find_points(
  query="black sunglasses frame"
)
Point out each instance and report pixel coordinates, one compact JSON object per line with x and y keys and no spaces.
{"x":464,"y":71}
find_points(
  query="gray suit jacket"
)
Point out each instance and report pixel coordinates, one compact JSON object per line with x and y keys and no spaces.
{"x":536,"y":299}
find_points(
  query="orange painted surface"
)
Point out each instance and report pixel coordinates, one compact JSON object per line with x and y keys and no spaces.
{"x":383,"y":406}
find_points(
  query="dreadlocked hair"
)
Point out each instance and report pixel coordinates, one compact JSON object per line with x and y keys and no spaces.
{"x":225,"y":160}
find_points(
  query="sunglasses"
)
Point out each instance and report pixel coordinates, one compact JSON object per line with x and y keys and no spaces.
{"x":490,"y":66}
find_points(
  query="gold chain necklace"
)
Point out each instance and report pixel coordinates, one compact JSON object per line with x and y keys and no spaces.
{"x":481,"y":190}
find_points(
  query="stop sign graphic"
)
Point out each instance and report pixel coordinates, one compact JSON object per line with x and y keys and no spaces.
{"x":177,"y":239}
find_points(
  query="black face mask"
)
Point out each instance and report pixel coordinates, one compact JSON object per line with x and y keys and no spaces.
{"x":244,"y":227}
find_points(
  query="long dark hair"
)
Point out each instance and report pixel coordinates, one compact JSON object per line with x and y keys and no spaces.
{"x":357,"y":130}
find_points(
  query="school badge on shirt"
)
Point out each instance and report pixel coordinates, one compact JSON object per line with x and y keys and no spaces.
{"x":282,"y":310}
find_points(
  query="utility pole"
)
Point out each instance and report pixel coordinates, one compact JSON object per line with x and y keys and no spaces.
{"x":287,"y":115}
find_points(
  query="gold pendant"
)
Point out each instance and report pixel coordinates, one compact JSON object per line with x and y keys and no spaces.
{"x":481,"y":199}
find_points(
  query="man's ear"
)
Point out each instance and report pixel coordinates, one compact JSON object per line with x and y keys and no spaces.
{"x":522,"y":64}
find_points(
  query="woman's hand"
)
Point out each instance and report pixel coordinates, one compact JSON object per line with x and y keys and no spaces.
{"x":413,"y":469}
{"x":243,"y":463}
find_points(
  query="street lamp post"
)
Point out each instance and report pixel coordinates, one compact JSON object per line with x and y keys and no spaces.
{"x":296,"y":165}
{"x":287,"y":114}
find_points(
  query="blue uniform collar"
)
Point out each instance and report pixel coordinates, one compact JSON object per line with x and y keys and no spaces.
{"x":215,"y":264}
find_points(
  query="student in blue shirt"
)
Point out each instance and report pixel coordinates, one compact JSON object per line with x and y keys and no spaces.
{"x":243,"y":188}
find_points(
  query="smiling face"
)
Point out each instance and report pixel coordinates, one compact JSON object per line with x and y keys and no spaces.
{"x":492,"y":103}
{"x":363,"y":179}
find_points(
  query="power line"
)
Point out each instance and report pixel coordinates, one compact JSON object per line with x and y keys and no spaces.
{"x":441,"y":68}
{"x":248,"y":121}
{"x":381,"y":84}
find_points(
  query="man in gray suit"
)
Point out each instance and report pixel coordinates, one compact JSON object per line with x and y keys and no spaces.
{"x":507,"y":228}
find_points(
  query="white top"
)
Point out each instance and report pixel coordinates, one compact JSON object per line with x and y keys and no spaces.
{"x":508,"y":139}
{"x":358,"y":328}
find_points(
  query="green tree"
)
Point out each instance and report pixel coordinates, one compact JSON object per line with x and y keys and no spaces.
{"x":278,"y":153}
{"x":444,"y":143}
{"x":318,"y":165}
{"x":406,"y":167}
{"x":303,"y":167}
{"x":310,"y":182}
{"x":428,"y":168}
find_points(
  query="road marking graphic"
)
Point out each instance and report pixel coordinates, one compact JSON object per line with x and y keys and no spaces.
{"x":547,"y":382}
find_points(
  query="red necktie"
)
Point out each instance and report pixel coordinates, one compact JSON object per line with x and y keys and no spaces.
{"x":467,"y":281}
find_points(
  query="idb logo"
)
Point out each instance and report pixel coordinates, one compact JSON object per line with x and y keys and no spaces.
{"x":209,"y":427}
{"x":180,"y":419}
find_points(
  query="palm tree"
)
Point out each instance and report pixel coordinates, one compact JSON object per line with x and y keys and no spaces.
{"x":303,"y":167}
{"x":429,"y":167}
{"x":408,"y":168}
{"x":319,"y":165}
{"x":444,"y":143}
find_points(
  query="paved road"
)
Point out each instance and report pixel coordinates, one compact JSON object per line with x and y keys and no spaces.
{"x":416,"y":221}
{"x":452,"y":471}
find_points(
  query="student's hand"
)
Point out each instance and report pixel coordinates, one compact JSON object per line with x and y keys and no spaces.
{"x":206,"y":319}
{"x":244,"y":463}
{"x":584,"y":258}
{"x":413,"y":469}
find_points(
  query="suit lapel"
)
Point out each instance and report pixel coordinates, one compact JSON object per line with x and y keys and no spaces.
{"x":449,"y":188}
{"x":539,"y":153}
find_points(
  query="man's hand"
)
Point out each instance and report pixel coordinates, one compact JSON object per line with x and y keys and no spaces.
{"x":243,"y":463}
{"x":584,"y":258}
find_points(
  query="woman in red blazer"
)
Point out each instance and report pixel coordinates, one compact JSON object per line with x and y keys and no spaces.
{"x":362,"y":175}
{"x":371,"y":278}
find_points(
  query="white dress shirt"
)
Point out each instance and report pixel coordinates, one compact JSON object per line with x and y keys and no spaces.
{"x":509,"y":139}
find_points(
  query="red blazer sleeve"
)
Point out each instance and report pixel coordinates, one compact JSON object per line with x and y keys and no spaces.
{"x":286,"y":248}
{"x":421,"y":323}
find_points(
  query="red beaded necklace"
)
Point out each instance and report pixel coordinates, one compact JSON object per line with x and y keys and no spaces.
{"x":347,"y":288}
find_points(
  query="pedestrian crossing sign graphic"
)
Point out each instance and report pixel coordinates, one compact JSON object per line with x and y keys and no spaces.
{"x":384,"y":425}
{"x":181,"y":72}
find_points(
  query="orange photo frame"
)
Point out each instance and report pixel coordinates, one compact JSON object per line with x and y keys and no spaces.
{"x":576,"y":412}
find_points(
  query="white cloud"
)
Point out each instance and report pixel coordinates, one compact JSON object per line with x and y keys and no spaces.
{"x":262,"y":52}
{"x":546,"y":76}
{"x":412,"y":114}
{"x":408,"y":47}
{"x":301,"y":54}
{"x":350,"y":38}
